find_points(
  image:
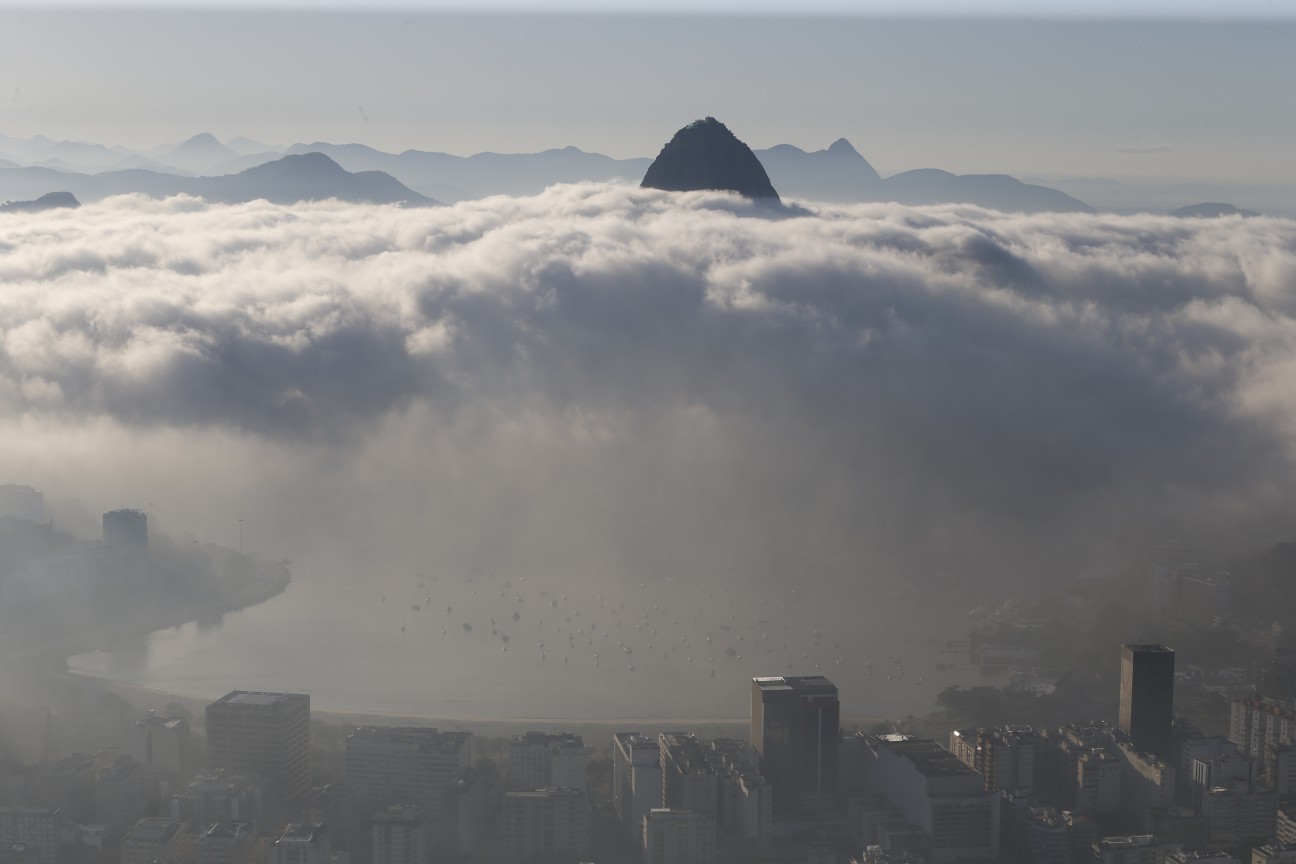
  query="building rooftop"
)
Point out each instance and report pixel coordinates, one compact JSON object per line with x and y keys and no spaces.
{"x":155,"y":829}
{"x":407,"y":813}
{"x":258,"y":699}
{"x":159,"y":722}
{"x":420,"y":738}
{"x":686,"y":752}
{"x":472,"y":775}
{"x":805,"y":683}
{"x":547,"y":792}
{"x":302,"y":832}
{"x":928,"y":757}
{"x":562,"y":740}
{"x":657,"y":814}
{"x":1130,"y":841}
{"x":121,"y":768}
{"x":226,"y":831}
{"x":1148,"y":648}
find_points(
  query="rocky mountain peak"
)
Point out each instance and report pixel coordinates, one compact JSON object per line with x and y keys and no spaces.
{"x":706,"y":155}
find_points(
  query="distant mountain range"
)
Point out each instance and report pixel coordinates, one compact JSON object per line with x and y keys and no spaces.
{"x":204,"y":165}
{"x":286,"y":180}
{"x":48,"y":201}
{"x":1212,"y":210}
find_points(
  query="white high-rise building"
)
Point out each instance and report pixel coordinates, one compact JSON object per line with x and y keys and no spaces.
{"x":678,"y":837}
{"x":405,"y":765}
{"x":1259,"y":723}
{"x":157,"y":840}
{"x":126,"y":531}
{"x":1006,"y":756}
{"x":690,"y":774}
{"x":301,"y":843}
{"x":636,"y":779}
{"x":746,"y":806}
{"x":1097,"y":783}
{"x":160,"y":743}
{"x":539,"y":759}
{"x":544,"y":824}
{"x":400,"y":835}
{"x":225,"y":843}
{"x":21,"y":502}
{"x":122,"y":789}
{"x":40,"y":827}
{"x":939,"y":795}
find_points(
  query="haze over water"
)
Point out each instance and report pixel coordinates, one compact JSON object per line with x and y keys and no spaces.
{"x":342,"y":641}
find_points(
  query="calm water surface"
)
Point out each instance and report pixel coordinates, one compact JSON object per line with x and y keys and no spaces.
{"x":680,"y":650}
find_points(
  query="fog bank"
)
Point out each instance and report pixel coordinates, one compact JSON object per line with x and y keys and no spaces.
{"x":620,"y":383}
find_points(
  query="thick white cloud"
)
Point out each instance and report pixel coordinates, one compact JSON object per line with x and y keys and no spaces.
{"x":617,"y":373}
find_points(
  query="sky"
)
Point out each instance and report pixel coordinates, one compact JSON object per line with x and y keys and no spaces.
{"x":1196,"y":92}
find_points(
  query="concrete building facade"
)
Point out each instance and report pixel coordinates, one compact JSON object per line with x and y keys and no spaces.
{"x":266,"y":734}
{"x":39,"y":827}
{"x":539,"y":759}
{"x":678,"y":837}
{"x":546,"y":824}
{"x":636,"y":780}
{"x":796,"y":728}
{"x":401,"y":835}
{"x":388,"y":765}
{"x":939,"y":795}
{"x":157,"y":840}
{"x":1147,"y":697}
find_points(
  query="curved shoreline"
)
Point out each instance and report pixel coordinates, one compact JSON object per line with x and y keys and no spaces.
{"x":63,"y":646}
{"x":144,"y":696}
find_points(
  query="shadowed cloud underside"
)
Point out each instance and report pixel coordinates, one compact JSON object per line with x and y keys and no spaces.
{"x":890,"y":385}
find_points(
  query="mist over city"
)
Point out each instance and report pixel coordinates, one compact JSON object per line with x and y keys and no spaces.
{"x":554,"y":435}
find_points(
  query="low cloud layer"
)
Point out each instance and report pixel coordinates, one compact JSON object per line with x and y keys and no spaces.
{"x":640,"y":380}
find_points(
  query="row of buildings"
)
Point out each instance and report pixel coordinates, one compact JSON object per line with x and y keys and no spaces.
{"x":799,"y":789}
{"x":1151,"y":789}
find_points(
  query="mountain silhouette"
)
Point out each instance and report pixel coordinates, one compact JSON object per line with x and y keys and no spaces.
{"x":306,"y":177}
{"x":1212,"y":210}
{"x":837,"y":174}
{"x":456,"y":178}
{"x":48,"y":201}
{"x":198,"y":153}
{"x":706,"y":155}
{"x":925,"y":186}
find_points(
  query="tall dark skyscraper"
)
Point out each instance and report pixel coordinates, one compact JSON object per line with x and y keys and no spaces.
{"x":795,"y":726}
{"x":1147,"y":697}
{"x":267,"y":734}
{"x":126,"y":530}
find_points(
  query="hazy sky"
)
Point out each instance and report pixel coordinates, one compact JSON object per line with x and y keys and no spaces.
{"x":1147,"y":95}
